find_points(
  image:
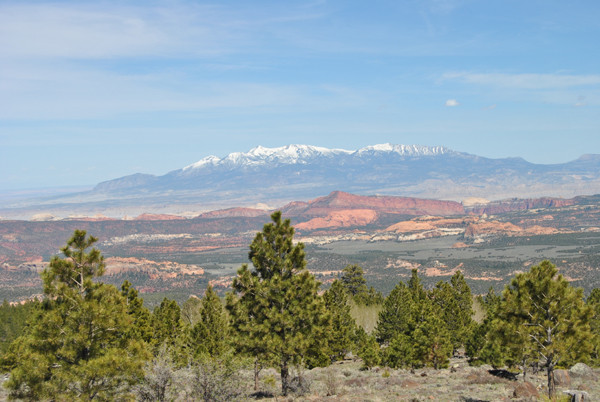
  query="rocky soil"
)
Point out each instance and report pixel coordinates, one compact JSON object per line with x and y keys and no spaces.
{"x":345,"y":381}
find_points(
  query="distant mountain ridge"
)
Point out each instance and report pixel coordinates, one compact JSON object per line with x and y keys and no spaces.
{"x":275,"y":176}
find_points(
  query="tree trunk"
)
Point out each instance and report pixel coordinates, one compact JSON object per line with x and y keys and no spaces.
{"x":257,"y":369}
{"x":551,"y":388}
{"x":284,"y":378}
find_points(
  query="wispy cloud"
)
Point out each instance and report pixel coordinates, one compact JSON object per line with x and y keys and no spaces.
{"x":452,"y":103}
{"x":525,"y":81}
{"x":88,"y":32}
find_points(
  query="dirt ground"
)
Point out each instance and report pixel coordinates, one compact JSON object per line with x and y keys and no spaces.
{"x":345,"y":381}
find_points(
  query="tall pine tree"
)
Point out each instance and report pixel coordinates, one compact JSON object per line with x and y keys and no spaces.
{"x":278,"y":299}
{"x":82,"y":343}
{"x":210,"y":335}
{"x":541,"y":310}
{"x":343,"y":325}
{"x":594,"y":303}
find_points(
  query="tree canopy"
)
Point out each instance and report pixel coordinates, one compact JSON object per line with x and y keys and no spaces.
{"x":275,"y":306}
{"x":545,"y":318}
{"x":81,"y":343}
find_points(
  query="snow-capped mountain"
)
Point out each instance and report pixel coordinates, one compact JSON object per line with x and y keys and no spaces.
{"x":302,"y":172}
{"x":260,"y":155}
{"x":303,"y":154}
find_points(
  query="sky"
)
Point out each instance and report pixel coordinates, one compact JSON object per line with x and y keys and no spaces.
{"x":95,"y":90}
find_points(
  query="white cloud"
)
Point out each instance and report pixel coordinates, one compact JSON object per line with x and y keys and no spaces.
{"x":525,"y":81}
{"x":452,"y":102}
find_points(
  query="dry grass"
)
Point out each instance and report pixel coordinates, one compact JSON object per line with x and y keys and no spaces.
{"x":365,"y":316}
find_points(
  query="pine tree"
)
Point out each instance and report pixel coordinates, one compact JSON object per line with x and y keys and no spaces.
{"x":397,"y":315}
{"x":477,"y":347}
{"x":353,"y":280}
{"x":279,"y":298}
{"x":594,"y":303}
{"x":139,"y":314}
{"x":456,"y":304}
{"x":210,"y":334}
{"x":81,"y":343}
{"x":400,"y":352}
{"x":169,"y":331}
{"x":343,"y":325}
{"x":416,"y":287}
{"x":369,"y":351}
{"x":242,"y":319}
{"x":541,"y":310}
{"x":432,"y":345}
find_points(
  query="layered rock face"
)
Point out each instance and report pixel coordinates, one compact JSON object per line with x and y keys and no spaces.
{"x":339,"y":200}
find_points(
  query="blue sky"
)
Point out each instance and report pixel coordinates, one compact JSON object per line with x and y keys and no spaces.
{"x":91,"y":91}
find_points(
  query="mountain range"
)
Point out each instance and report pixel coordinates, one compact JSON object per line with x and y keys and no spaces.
{"x":275,"y":176}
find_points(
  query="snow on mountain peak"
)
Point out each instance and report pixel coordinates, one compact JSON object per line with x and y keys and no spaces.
{"x":404,"y":150}
{"x":294,"y":153}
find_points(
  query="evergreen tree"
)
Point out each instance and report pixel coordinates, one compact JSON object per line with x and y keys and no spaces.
{"x":400,"y":352}
{"x":343,"y":325}
{"x":416,"y":287}
{"x":13,"y":321}
{"x":542,"y":310}
{"x":477,"y":347}
{"x":594,"y":303}
{"x":139,"y":314}
{"x":397,"y":315}
{"x":80,"y":344}
{"x":280,"y":297}
{"x":210,"y":334}
{"x":353,"y":280}
{"x":456,"y":304}
{"x":432,"y":345}
{"x":169,"y":331}
{"x":241,"y":321}
{"x":369,"y":351}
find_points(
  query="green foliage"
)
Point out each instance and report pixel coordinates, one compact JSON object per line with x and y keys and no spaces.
{"x":13,"y":320}
{"x":456,"y":304}
{"x":277,"y":304}
{"x":544,"y":318}
{"x":416,"y":287}
{"x":369,"y":351}
{"x":342,"y":323}
{"x":483,"y":345}
{"x":355,"y":284}
{"x":400,"y":352}
{"x":397,"y":315}
{"x":353,"y":280}
{"x":81,"y":344}
{"x":369,"y":298}
{"x":594,"y":303}
{"x":210,"y":335}
{"x":414,"y":324}
{"x":432,"y":342}
{"x":140,"y":315}
{"x":169,"y":331}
